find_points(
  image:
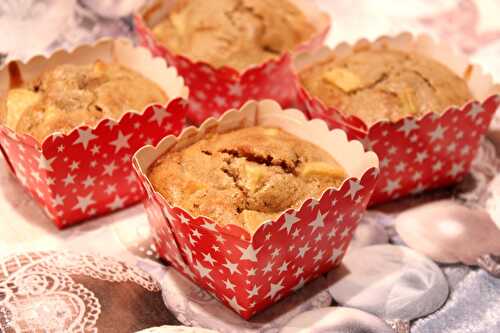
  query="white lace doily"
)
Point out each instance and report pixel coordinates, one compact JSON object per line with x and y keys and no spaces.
{"x":39,"y":294}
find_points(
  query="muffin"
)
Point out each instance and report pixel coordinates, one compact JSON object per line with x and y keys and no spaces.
{"x":246,"y":176}
{"x":384,"y":84}
{"x":72,"y":95}
{"x":234,"y":33}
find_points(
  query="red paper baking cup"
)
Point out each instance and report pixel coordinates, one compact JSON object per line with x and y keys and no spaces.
{"x":88,"y":171}
{"x":214,"y":90}
{"x":418,"y":153}
{"x":250,"y":272}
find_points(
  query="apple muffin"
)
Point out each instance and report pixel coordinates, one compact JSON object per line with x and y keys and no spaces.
{"x":72,"y":95}
{"x":384,"y":84}
{"x":246,"y":176}
{"x":234,"y":33}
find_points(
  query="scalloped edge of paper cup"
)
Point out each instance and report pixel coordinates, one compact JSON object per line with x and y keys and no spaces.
{"x":341,"y":207}
{"x":119,"y":51}
{"x":158,"y":119}
{"x":152,"y":13}
{"x":349,"y":154}
{"x":473,"y":117}
{"x":480,"y":83}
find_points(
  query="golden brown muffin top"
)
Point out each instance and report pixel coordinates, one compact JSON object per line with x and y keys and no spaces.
{"x":245,"y":177}
{"x":235,"y":33}
{"x":72,"y":95}
{"x":385,"y":84}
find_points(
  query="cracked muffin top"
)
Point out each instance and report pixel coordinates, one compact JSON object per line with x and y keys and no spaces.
{"x":72,"y":95}
{"x":235,"y":33}
{"x":385,"y":84}
{"x":245,"y":177}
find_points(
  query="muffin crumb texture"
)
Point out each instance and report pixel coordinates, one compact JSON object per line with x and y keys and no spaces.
{"x":245,"y":177}
{"x":72,"y":95}
{"x":385,"y":84}
{"x":234,"y":33}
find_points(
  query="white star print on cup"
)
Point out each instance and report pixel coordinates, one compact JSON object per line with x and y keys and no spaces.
{"x":45,"y":164}
{"x":84,"y":202}
{"x":63,"y":170}
{"x":282,"y":255}
{"x":318,"y":221}
{"x":84,"y":136}
{"x":229,"y":87}
{"x":121,"y":142}
{"x":426,"y":144}
{"x":408,"y":126}
{"x":290,"y":220}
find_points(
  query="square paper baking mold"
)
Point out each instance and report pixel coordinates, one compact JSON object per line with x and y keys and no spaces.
{"x":417,"y":153}
{"x":88,"y":171}
{"x":249,"y":272}
{"x":214,"y":90}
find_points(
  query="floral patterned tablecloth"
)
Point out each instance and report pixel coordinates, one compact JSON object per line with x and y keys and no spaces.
{"x":31,"y":27}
